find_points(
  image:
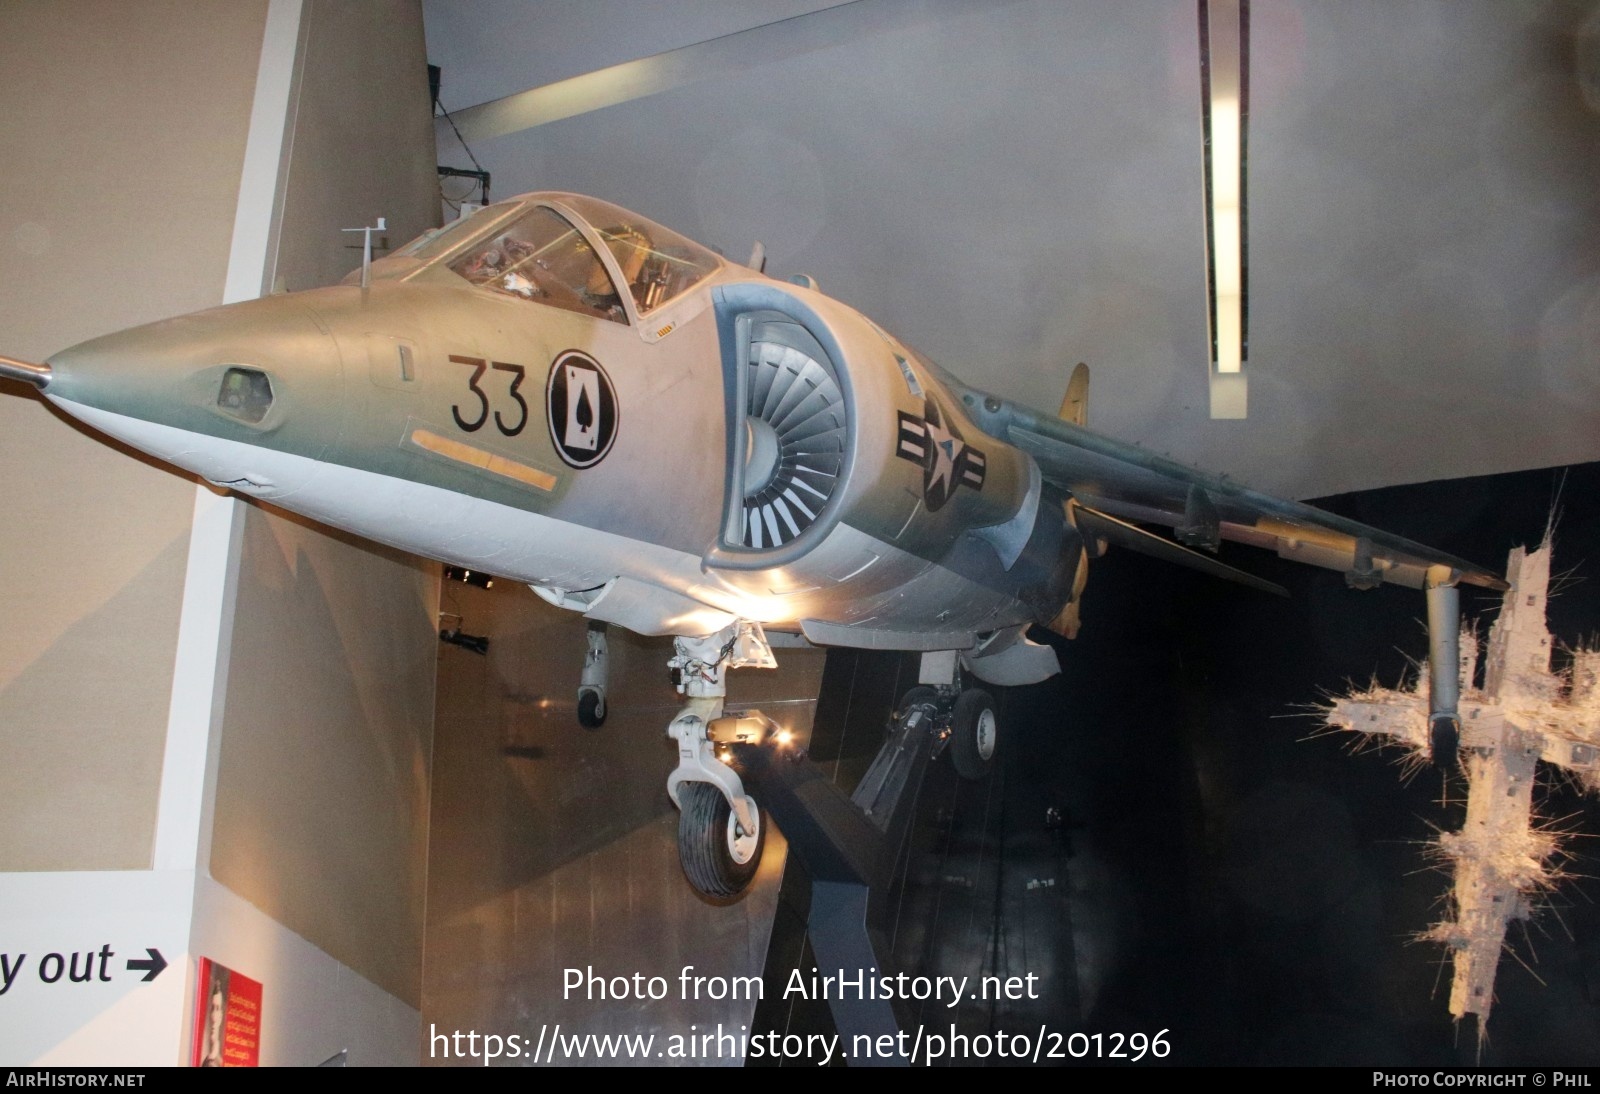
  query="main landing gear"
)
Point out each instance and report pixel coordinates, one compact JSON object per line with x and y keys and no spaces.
{"x":963,"y":720}
{"x":974,"y":734}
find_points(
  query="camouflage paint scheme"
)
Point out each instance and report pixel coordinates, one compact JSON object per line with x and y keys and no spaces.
{"x":427,"y":412}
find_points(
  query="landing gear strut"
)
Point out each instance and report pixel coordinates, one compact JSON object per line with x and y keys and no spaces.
{"x":592,"y":684}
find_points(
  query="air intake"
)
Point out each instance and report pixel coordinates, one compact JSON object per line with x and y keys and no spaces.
{"x":796,"y":430}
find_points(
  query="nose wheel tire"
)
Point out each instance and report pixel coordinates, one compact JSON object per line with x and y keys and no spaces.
{"x":974,"y":734}
{"x":719,"y":858}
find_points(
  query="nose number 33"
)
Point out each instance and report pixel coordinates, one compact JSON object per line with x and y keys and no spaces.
{"x":479,"y":366}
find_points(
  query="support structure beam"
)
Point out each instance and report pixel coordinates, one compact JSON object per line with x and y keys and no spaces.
{"x":728,"y":55}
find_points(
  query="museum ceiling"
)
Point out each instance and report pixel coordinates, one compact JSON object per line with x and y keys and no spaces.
{"x":1014,"y":186}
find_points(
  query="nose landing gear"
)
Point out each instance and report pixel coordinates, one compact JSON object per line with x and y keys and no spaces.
{"x":719,"y":854}
{"x":721,"y":832}
{"x":721,"y":828}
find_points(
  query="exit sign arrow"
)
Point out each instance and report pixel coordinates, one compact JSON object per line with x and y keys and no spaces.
{"x":154,"y":964}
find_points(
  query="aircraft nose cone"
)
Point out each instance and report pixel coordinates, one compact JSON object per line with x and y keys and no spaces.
{"x":201,"y":389}
{"x":165,"y":371}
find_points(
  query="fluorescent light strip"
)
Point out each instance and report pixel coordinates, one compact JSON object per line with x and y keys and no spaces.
{"x":1224,"y":30}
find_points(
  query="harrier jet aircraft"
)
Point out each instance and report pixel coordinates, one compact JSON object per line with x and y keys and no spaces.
{"x":562,"y":392}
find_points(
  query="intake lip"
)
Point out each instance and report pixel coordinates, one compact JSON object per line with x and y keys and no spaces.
{"x":13,"y":369}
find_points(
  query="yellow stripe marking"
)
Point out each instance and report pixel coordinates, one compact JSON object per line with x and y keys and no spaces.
{"x":461,"y":452}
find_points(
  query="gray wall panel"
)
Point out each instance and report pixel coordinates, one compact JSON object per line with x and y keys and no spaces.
{"x":322,"y":788}
{"x":322,"y":794}
{"x":120,"y":175}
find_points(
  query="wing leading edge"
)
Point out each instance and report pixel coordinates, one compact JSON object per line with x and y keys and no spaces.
{"x":1128,"y":482}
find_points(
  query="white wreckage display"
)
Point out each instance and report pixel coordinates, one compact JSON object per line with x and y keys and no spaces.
{"x":1502,"y":858}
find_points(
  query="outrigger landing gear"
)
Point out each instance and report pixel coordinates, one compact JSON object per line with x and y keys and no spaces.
{"x":592,"y":684}
{"x":964,"y":720}
{"x":721,"y":831}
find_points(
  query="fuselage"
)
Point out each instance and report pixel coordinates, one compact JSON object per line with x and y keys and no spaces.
{"x":563,"y":393}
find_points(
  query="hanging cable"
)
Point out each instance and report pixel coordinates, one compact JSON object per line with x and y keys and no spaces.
{"x":481,"y":175}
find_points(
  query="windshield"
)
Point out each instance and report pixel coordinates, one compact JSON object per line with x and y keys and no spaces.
{"x":657,"y":263}
{"x":541,"y":257}
{"x":436,"y":241}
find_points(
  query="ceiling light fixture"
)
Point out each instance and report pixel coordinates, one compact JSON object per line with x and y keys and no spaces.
{"x":1224,"y":119}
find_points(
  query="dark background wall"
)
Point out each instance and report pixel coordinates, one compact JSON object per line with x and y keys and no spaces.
{"x":1220,"y":869}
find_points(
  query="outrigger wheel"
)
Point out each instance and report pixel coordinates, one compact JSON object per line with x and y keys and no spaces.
{"x":591,"y":709}
{"x":719,"y":858}
{"x":592,"y":683}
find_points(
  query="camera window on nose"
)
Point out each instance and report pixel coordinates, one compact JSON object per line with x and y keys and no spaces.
{"x":246,"y":394}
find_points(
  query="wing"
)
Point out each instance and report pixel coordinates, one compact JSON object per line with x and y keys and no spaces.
{"x":1125,"y":481}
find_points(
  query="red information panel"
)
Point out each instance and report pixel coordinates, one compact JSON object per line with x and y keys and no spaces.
{"x":227,"y":1018}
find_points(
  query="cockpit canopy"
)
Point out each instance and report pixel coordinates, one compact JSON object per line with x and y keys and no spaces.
{"x":543,"y":247}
